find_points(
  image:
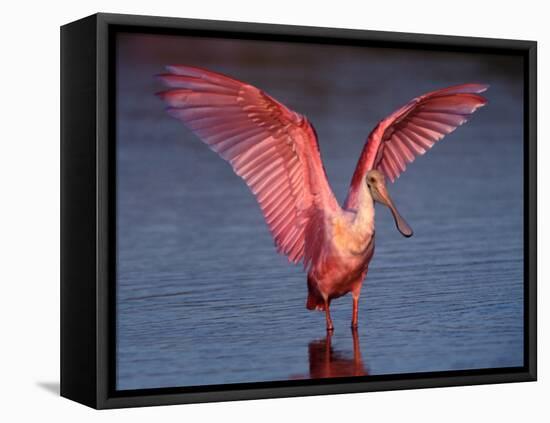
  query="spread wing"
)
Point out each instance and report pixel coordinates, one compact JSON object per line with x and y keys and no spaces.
{"x":273,"y":149}
{"x":412,"y":130}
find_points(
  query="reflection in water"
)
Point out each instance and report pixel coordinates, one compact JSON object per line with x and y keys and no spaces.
{"x":325,"y":362}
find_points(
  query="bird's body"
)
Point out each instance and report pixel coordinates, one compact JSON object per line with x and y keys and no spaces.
{"x":346,"y":254}
{"x":275,"y":151}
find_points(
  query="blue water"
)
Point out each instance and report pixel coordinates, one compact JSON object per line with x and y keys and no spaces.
{"x":202,"y":296}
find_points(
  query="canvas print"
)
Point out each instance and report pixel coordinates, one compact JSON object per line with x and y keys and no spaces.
{"x":298,"y":211}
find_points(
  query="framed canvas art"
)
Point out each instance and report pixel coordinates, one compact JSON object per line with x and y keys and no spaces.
{"x":255,"y":211}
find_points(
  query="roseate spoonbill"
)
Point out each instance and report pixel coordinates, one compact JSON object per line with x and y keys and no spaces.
{"x":275,"y":151}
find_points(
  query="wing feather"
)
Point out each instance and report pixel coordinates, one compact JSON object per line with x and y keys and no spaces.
{"x":414,"y":129}
{"x":273,"y":149}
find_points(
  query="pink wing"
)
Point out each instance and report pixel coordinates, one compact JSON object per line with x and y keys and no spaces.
{"x":273,"y":149}
{"x":414,"y":129}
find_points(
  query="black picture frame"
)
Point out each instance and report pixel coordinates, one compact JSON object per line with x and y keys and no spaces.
{"x":88,"y":221}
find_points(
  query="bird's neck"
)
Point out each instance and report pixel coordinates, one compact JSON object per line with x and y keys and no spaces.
{"x":364,"y":217}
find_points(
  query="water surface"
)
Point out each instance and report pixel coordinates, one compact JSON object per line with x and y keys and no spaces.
{"x":202,"y":296}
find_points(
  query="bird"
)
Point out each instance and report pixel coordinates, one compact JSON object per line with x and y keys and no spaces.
{"x":276,"y":152}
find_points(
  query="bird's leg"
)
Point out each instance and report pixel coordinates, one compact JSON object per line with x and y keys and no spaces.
{"x":355,"y":313}
{"x":356,"y":290}
{"x":330,"y":326}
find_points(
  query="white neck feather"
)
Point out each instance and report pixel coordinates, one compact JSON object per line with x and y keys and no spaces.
{"x":364,"y":218}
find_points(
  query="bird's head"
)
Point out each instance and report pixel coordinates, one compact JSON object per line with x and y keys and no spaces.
{"x":376,"y":184}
